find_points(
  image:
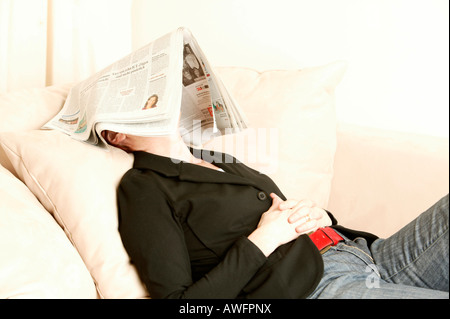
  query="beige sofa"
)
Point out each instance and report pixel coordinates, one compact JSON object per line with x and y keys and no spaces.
{"x":58,"y":214}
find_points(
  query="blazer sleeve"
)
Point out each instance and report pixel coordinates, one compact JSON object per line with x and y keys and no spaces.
{"x":154,"y":240}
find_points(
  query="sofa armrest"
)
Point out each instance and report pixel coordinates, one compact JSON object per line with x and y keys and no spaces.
{"x":384,"y":179}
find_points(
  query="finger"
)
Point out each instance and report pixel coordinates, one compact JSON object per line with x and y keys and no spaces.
{"x":288,"y":204}
{"x":306,"y":227}
{"x":303,"y":203}
{"x":276,"y":201}
{"x":294,"y":204}
{"x":307,"y":202}
{"x":315,"y":213}
{"x":275,"y":197}
{"x":299,"y":213}
{"x":321,"y":216}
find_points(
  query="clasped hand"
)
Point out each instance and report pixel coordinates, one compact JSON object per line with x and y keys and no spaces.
{"x":285,"y":221}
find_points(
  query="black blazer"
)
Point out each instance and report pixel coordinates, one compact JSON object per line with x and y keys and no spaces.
{"x":185,"y":228}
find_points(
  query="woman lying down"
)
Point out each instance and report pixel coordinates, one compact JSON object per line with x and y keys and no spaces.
{"x":215,"y":228}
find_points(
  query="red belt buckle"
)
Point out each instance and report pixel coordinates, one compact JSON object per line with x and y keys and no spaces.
{"x":324,"y":238}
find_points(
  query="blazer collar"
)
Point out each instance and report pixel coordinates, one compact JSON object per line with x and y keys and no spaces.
{"x":195,"y":173}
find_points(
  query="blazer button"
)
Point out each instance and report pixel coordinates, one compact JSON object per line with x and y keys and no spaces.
{"x":262,"y":196}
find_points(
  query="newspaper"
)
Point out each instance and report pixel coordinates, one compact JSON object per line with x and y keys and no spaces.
{"x":161,"y":87}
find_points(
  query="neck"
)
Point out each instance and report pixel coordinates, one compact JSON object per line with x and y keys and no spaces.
{"x":171,"y":146}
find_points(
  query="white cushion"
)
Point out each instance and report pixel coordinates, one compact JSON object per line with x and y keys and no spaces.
{"x":29,"y":109}
{"x":36,"y":259}
{"x":293,"y":126}
{"x":77,"y":183}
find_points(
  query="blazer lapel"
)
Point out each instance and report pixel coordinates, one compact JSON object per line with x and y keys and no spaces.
{"x":196,"y":173}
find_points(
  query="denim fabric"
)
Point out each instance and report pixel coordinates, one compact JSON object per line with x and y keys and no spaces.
{"x":412,"y":263}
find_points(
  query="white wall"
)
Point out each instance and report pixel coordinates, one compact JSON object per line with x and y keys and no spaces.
{"x":45,"y":42}
{"x":23,"y":43}
{"x":84,"y":36}
{"x":397,"y":50}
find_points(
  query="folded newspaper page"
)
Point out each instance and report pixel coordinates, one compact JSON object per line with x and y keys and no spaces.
{"x":161,"y":87}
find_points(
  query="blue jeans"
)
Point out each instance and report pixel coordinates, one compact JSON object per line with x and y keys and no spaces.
{"x":412,"y":263}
